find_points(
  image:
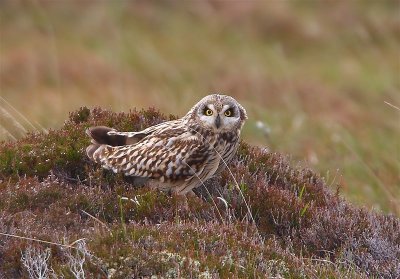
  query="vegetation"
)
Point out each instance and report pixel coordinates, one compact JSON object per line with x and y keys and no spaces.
{"x":319,"y":79}
{"x":316,"y":73}
{"x":262,"y":217}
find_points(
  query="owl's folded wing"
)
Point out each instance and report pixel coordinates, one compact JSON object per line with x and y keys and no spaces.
{"x":164,"y":157}
{"x":110,"y":136}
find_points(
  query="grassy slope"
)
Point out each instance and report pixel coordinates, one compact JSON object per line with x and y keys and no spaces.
{"x":51,"y":192}
{"x":317,"y":73}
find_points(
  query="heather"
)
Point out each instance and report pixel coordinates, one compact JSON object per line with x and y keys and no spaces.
{"x":263,"y":217}
{"x":318,"y":78}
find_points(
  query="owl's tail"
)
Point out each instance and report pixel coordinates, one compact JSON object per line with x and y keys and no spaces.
{"x":100,"y":140}
{"x":100,"y":135}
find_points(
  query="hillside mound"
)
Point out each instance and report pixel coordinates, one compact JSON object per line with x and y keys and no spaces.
{"x":261,"y":218}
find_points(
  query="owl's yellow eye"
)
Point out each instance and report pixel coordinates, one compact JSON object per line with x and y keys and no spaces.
{"x":228,"y":113}
{"x":208,"y":112}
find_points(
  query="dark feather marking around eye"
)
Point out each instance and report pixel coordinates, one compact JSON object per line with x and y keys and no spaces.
{"x":208,"y":112}
{"x":230,"y":112}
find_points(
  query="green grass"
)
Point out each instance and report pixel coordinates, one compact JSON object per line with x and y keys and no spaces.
{"x":317,"y":73}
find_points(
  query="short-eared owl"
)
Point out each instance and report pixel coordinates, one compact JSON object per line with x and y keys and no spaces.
{"x":177,"y":155}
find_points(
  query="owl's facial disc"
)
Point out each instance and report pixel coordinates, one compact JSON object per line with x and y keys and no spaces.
{"x":208,"y":115}
{"x":220,"y":118}
{"x":230,"y":117}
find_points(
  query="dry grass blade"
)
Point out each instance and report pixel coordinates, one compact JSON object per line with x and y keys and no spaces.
{"x":208,"y":192}
{"x":391,"y":105}
{"x":38,"y":240}
{"x":18,"y":113}
{"x":12,"y":121}
{"x":372,"y":174}
{"x":4,"y":133}
{"x":236,"y":185}
{"x":96,"y":219}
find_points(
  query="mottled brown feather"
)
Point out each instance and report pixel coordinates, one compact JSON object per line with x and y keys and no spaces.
{"x":176,"y":155}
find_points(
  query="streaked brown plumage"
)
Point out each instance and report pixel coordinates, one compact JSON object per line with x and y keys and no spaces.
{"x":177,"y":155}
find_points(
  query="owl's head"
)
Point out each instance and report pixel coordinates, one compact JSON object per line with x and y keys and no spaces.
{"x":220,"y":113}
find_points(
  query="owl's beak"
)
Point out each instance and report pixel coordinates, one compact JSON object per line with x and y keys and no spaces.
{"x":218,"y":122}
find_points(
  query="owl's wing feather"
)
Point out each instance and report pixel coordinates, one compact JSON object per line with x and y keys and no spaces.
{"x":134,"y":137}
{"x":110,"y":136}
{"x":171,"y":155}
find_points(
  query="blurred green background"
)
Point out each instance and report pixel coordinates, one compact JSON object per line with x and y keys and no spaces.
{"x":313,"y":75}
